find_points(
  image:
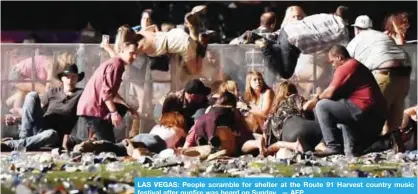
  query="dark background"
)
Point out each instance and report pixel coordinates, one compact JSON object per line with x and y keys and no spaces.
{"x":106,"y":17}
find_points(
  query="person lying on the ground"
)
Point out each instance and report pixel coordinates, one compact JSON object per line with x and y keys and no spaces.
{"x":312,"y":34}
{"x":352,"y":109}
{"x":167,"y":134}
{"x":223,"y":127}
{"x":44,"y":69}
{"x":46,"y":120}
{"x":101,"y":107}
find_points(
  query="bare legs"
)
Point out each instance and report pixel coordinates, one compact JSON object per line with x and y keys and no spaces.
{"x":251,"y":145}
{"x":295,"y":146}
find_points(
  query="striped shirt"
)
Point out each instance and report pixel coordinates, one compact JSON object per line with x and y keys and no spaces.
{"x":317,"y":32}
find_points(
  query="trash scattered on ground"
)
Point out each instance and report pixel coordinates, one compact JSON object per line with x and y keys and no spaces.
{"x":106,"y":173}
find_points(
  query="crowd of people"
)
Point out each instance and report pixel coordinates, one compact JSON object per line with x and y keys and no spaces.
{"x":358,"y":112}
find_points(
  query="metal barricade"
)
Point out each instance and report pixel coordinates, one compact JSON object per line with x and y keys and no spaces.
{"x":142,"y":88}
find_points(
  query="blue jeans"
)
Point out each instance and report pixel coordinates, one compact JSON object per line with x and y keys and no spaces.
{"x":343,"y":121}
{"x":47,"y":137}
{"x":103,"y":128}
{"x":281,"y":56}
{"x":31,"y":133}
{"x":32,"y":116}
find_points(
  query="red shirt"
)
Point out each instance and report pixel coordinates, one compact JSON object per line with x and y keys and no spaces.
{"x":354,"y":81}
{"x":103,"y":85}
{"x":207,"y":123}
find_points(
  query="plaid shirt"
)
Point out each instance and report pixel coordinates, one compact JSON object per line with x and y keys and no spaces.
{"x":317,"y":32}
{"x":261,"y":31}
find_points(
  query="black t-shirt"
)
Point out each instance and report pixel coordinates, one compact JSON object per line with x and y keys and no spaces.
{"x":60,"y":110}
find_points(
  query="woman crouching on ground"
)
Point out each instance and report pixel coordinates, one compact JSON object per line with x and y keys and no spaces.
{"x":288,"y":125}
{"x":223,"y":127}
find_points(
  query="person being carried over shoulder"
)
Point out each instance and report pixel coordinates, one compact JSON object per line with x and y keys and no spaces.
{"x":190,"y":47}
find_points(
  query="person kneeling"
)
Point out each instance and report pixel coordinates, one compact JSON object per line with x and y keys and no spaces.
{"x":352,"y":109}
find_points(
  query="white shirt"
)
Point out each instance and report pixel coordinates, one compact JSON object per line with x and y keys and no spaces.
{"x":169,"y":135}
{"x":373,"y":48}
{"x":175,"y":41}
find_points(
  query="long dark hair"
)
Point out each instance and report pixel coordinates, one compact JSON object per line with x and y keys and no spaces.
{"x":227,"y":99}
{"x":172,"y":104}
{"x":282,"y":91}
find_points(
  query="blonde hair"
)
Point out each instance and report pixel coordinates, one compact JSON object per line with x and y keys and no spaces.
{"x":124,"y":33}
{"x":282,"y":91}
{"x":228,"y":86}
{"x":288,"y":16}
{"x":249,"y":94}
{"x":63,"y":60}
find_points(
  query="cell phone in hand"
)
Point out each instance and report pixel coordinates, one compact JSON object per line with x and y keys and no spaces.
{"x":105,"y":38}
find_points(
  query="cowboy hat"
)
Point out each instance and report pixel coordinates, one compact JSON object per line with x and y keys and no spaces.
{"x":71,"y":69}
